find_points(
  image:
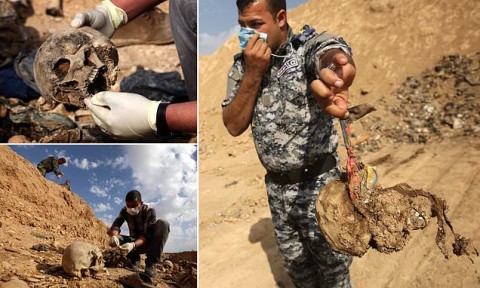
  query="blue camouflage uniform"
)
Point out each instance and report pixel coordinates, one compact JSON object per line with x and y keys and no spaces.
{"x":290,"y":132}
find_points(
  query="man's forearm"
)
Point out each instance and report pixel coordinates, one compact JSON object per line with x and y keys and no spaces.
{"x":133,"y":8}
{"x":237,"y":116}
{"x":182,"y":117}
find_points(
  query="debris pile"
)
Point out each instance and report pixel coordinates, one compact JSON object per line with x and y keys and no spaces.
{"x":442,"y":102}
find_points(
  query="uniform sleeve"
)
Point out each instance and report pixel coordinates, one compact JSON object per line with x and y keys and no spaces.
{"x":316,"y":48}
{"x":233,"y":82}
{"x":54,"y":165}
{"x":118,"y":222}
{"x":149,"y":224}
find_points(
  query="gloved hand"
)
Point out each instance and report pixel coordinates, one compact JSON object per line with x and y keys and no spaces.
{"x":124,"y":115}
{"x":106,"y":18}
{"x":114,"y":241}
{"x":127,"y":247}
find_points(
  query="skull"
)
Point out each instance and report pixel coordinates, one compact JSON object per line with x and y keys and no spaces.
{"x":80,"y":257}
{"x":74,"y":64}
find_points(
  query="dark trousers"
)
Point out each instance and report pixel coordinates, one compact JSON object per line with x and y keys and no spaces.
{"x":183,"y":20}
{"x":153,"y":247}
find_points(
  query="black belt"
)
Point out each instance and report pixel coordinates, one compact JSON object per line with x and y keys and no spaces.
{"x":324,"y":164}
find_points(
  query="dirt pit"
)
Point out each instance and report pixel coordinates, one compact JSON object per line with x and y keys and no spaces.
{"x":382,"y":218}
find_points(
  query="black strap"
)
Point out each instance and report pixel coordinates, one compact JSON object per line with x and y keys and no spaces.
{"x":324,"y":164}
{"x":162,"y":126}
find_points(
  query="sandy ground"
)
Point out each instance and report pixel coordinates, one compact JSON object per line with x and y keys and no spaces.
{"x":390,"y":41}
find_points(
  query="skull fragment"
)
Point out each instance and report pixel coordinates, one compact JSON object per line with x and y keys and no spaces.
{"x":74,"y":64}
{"x":80,"y":258}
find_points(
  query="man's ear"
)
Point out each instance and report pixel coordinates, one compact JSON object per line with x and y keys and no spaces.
{"x":282,"y":19}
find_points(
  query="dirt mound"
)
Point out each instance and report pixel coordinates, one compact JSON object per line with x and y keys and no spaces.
{"x":440,"y":102}
{"x":35,"y":202}
{"x":190,"y":256}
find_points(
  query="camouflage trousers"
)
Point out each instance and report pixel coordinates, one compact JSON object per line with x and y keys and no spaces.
{"x":42,"y":170}
{"x":307,"y":257}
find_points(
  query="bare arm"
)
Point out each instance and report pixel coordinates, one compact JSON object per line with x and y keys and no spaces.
{"x":133,"y":8}
{"x":238,"y":114}
{"x":182,"y":117}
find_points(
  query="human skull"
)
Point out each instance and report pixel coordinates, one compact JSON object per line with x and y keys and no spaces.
{"x":74,"y":64}
{"x":80,"y":257}
{"x":168,"y":265}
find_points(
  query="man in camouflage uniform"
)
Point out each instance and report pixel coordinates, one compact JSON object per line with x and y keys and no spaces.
{"x":50,"y":164}
{"x":288,"y":88}
{"x":66,"y":185}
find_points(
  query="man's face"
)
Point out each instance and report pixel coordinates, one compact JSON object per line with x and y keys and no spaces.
{"x":133,"y":204}
{"x":133,"y":207}
{"x":257,"y":16}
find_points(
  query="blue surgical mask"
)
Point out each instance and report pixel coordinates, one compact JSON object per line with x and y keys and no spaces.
{"x":244,"y":35}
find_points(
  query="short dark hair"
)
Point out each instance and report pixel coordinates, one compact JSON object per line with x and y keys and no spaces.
{"x":132,"y":195}
{"x":273,"y":5}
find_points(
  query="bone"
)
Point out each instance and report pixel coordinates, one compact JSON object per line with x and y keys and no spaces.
{"x":54,"y":8}
{"x":359,"y":111}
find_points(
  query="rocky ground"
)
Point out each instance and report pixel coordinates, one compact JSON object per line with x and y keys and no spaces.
{"x":39,"y":219}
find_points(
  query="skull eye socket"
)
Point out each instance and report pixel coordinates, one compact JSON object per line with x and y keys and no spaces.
{"x":61,"y":68}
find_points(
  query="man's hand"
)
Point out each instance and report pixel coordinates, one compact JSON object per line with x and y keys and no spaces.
{"x":331,"y":90}
{"x":238,"y":114}
{"x":59,"y":174}
{"x":106,"y":18}
{"x":127,"y":247}
{"x":123,"y":115}
{"x":114,"y":241}
{"x":257,"y":56}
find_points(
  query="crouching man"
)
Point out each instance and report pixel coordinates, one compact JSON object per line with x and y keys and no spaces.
{"x":147,"y":234}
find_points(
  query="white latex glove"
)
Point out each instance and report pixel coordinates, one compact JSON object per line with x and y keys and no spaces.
{"x":124,"y":115}
{"x":114,"y":241}
{"x":106,"y":18}
{"x":127,"y":247}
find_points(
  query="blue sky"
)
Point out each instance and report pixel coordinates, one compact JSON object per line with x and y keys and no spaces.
{"x":218,"y":22}
{"x":165,"y":174}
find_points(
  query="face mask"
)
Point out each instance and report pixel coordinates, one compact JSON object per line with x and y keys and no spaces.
{"x":246,"y":33}
{"x":133,"y":211}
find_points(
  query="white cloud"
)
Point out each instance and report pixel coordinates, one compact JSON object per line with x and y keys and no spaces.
{"x":117,"y":200}
{"x":183,"y":239}
{"x":113,"y":182}
{"x":85,"y":164}
{"x":166,"y":175}
{"x":98,"y":191}
{"x":107,"y":219}
{"x":104,"y":188}
{"x":210,"y":43}
{"x":101,"y":207}
{"x":118,"y":162}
